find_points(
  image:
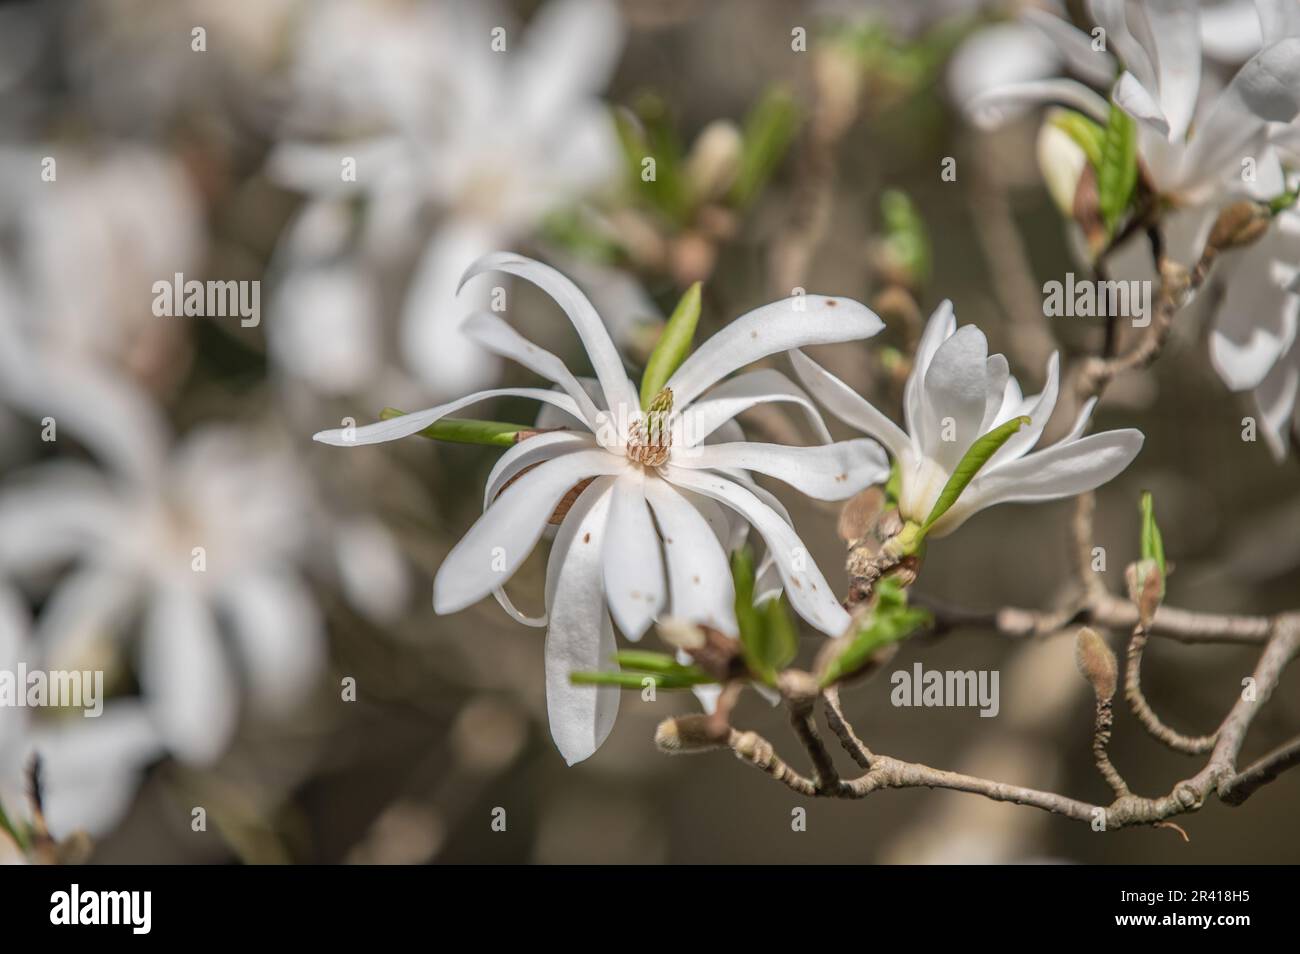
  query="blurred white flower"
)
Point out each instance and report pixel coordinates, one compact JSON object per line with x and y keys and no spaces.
{"x":90,"y":767}
{"x":200,"y":540}
{"x":1196,"y":146}
{"x":958,"y":392}
{"x":1192,"y":146}
{"x":622,"y":471}
{"x":485,"y":141}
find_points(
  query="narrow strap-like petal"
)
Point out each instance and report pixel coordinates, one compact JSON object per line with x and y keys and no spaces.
{"x":699,"y":579}
{"x":805,"y":587}
{"x":822,"y":471}
{"x":530,"y":452}
{"x":412,"y":423}
{"x":737,"y":395}
{"x":792,"y":323}
{"x":496,"y":335}
{"x":501,"y":539}
{"x":580,"y":637}
{"x":849,"y":406}
{"x":1062,"y":470}
{"x":634,"y":570}
{"x":595,"y":338}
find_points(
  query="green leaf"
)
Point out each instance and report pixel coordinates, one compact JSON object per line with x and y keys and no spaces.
{"x":769,"y":129}
{"x":894,"y":485}
{"x":636,"y":680}
{"x":1153,"y":546}
{"x":905,"y":235}
{"x":975,"y":457}
{"x":647,"y":132}
{"x":644,"y":661}
{"x":13,"y":830}
{"x":780,"y":640}
{"x":673,"y":347}
{"x":457,"y":430}
{"x":891,"y":620}
{"x":1087,"y":133}
{"x":1117,"y":174}
{"x":1283,"y":202}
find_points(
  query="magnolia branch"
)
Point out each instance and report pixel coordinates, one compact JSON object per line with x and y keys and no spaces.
{"x":1218,"y":777}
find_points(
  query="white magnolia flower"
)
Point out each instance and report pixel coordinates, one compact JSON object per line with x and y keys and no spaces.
{"x":90,"y":766}
{"x":644,"y":534}
{"x":202,"y":544}
{"x":1191,"y":145}
{"x":485,"y":141}
{"x":956,"y":393}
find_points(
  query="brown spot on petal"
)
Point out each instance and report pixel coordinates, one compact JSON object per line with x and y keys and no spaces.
{"x":586,"y":538}
{"x":831,"y":303}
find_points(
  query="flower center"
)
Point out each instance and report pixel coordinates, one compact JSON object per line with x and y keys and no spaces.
{"x":650,"y":440}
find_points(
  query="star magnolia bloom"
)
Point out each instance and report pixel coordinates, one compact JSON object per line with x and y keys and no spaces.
{"x":644,"y":532}
{"x":1191,"y":146}
{"x":956,"y":393}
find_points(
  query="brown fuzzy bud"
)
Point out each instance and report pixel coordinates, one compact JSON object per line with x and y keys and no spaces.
{"x":689,"y":733}
{"x":1146,"y":587}
{"x":1097,"y":663}
{"x":1238,"y":224}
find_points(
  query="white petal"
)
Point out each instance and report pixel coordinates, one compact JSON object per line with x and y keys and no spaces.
{"x":92,"y":767}
{"x":634,"y":572}
{"x":998,"y":55}
{"x":1278,"y":19}
{"x":1136,"y":100}
{"x":1171,"y":30}
{"x":846,"y":404}
{"x":996,"y":373}
{"x":942,"y":323}
{"x":1062,"y":470}
{"x":699,"y":577}
{"x":409,"y":424}
{"x":1098,"y":68}
{"x":314,"y":168}
{"x":567,"y":55}
{"x":83,"y":614}
{"x":1256,"y":323}
{"x":530,"y":452}
{"x":1039,"y":412}
{"x":445,"y":361}
{"x":503,"y":599}
{"x":61,"y":511}
{"x":279,"y":634}
{"x":805,"y":587}
{"x":372,"y":573}
{"x":1276,"y":399}
{"x":1266,"y":89}
{"x":494,"y":334}
{"x":600,"y":349}
{"x":956,"y":383}
{"x":1111,"y":15}
{"x":186,"y":678}
{"x":737,"y":395}
{"x":822,"y":471}
{"x":488,"y":555}
{"x":792,"y":323}
{"x":580,"y":637}
{"x":992,"y":108}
